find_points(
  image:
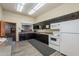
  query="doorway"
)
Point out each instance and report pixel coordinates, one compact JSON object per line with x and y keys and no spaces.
{"x":10,"y":31}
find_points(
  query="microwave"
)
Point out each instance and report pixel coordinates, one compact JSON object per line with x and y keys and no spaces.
{"x":54,"y":26}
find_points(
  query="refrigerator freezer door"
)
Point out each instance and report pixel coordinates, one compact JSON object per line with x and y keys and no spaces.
{"x":70,"y":26}
{"x":69,"y":45}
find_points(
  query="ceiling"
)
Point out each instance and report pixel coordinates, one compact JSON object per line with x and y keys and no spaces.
{"x":28,"y":6}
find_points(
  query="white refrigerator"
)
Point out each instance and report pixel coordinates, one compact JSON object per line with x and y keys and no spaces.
{"x":69,"y":43}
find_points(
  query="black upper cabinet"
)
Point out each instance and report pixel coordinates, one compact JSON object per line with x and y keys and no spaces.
{"x":35,"y":26}
{"x":46,"y":26}
{"x":42,"y":25}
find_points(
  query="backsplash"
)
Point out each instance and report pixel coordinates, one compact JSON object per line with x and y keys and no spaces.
{"x":50,"y":31}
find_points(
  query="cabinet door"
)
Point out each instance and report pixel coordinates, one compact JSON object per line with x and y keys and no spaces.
{"x":42,"y":38}
{"x":30,"y":36}
{"x":69,"y":45}
{"x":45,"y":39}
{"x":35,"y":26}
{"x":38,"y":37}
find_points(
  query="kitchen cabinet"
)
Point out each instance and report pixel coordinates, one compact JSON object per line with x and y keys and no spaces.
{"x":31,"y":35}
{"x":22,"y":37}
{"x":41,"y":25}
{"x":42,"y":38}
{"x":45,"y":26}
{"x":26,"y":36}
{"x":35,"y":26}
{"x":2,"y":28}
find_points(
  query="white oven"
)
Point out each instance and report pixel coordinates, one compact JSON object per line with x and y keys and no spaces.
{"x":54,"y":40}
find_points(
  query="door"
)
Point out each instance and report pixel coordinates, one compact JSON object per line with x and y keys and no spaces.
{"x":69,"y":44}
{"x":70,"y":26}
{"x":10,"y":30}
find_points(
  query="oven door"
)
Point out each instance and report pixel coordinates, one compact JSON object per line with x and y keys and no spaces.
{"x":54,"y":40}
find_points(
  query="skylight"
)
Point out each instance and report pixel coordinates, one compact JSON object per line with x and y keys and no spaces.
{"x":39,"y":5}
{"x":20,"y":6}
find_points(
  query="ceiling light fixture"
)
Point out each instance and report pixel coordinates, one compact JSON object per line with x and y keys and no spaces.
{"x":39,"y":5}
{"x":20,"y":6}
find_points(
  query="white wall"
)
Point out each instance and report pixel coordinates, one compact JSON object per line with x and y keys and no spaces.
{"x":18,"y":19}
{"x":0,"y":12}
{"x":59,"y":11}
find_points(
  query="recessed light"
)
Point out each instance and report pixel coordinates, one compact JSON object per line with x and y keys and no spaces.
{"x":31,"y":12}
{"x":20,"y":6}
{"x":39,"y":5}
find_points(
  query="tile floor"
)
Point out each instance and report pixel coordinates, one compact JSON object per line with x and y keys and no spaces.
{"x":24,"y":48}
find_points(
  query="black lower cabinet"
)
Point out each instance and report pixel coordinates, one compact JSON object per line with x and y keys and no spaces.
{"x":30,"y":36}
{"x":40,"y":37}
{"x":43,"y":38}
{"x":26,"y":36}
{"x":22,"y":37}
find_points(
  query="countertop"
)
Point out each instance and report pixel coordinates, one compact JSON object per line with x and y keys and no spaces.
{"x":45,"y":33}
{"x":25,"y":32}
